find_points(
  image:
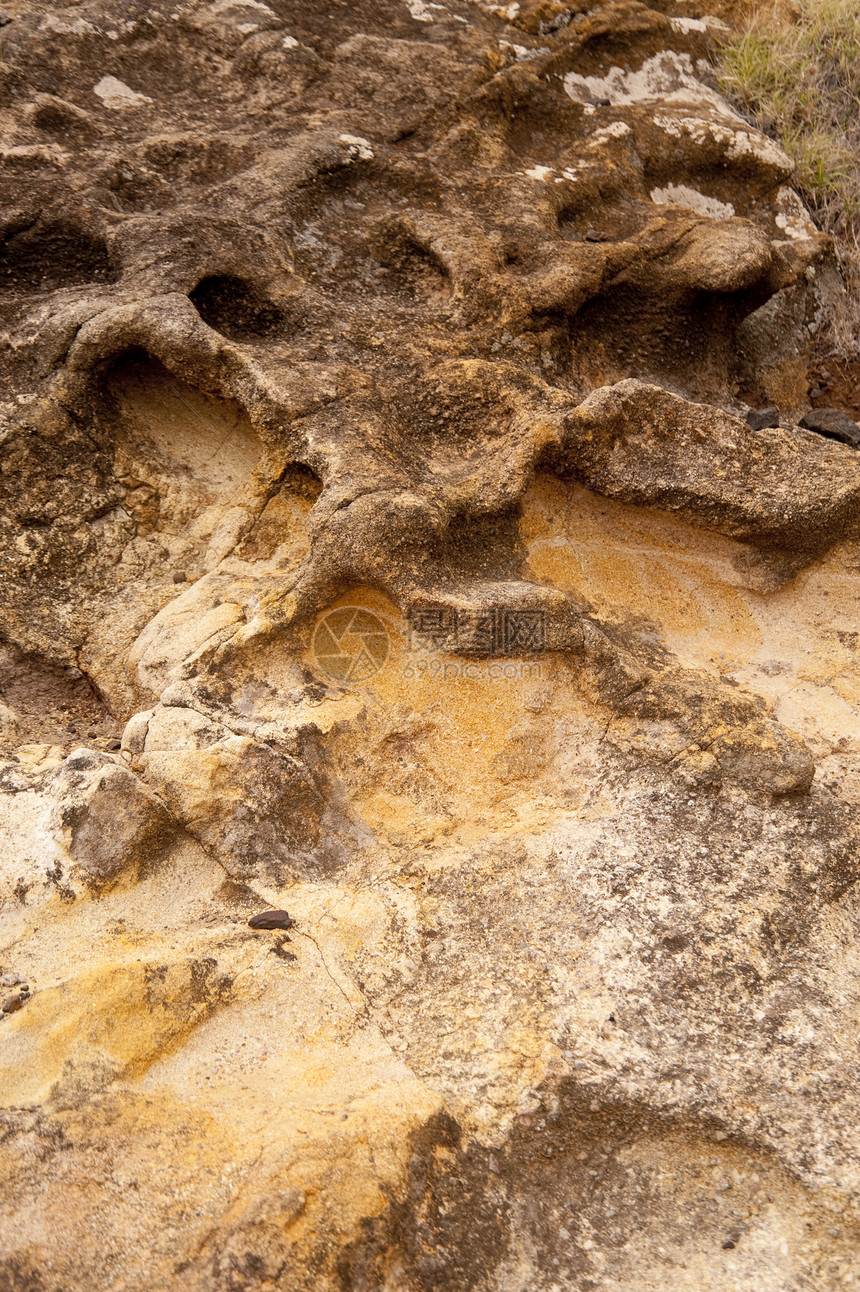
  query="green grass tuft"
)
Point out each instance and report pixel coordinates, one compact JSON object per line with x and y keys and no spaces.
{"x":800,"y":83}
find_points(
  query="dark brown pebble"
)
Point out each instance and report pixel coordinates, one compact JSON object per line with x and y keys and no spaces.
{"x":594,"y":235}
{"x":11,"y":1003}
{"x":728,"y":1245}
{"x":114,"y":744}
{"x":180,"y":577}
{"x":271,"y":920}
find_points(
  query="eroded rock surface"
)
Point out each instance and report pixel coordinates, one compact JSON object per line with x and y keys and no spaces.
{"x":384,"y":541}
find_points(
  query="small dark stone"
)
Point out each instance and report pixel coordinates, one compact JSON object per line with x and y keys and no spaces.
{"x":4,"y":19}
{"x":114,"y":744}
{"x":728,"y":1245}
{"x":180,"y":577}
{"x":11,"y":1004}
{"x":834,"y":425}
{"x":271,"y":920}
{"x":815,"y":392}
{"x":763,"y":419}
{"x":594,"y":235}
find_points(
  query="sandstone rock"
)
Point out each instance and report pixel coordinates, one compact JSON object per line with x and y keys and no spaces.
{"x":411,"y":329}
{"x":145,"y":1008}
{"x":642,"y":444}
{"x":258,"y":809}
{"x":8,"y":721}
{"x":109,"y":822}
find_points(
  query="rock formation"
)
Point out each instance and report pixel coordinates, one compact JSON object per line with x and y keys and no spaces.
{"x":385,"y":541}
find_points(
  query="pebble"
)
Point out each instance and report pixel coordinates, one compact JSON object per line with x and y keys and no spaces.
{"x":763,"y":419}
{"x":180,"y":577}
{"x":594,"y":235}
{"x":10,"y":980}
{"x":834,"y":424}
{"x":271,"y":920}
{"x":11,"y":1004}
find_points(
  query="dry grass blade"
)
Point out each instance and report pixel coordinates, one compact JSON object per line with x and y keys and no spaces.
{"x":800,"y":83}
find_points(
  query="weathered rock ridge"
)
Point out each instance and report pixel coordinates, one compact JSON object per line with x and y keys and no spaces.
{"x":384,"y":540}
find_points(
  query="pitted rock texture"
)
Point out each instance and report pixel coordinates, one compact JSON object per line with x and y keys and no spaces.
{"x":445,"y":318}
